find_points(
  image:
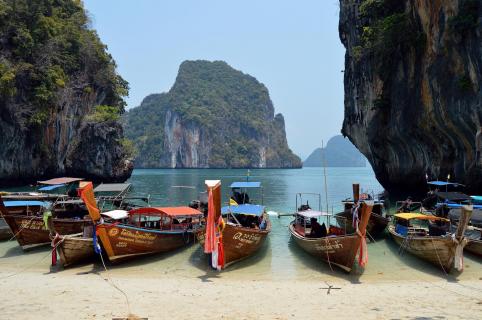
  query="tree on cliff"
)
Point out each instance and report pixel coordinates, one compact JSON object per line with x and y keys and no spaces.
{"x":54,"y":71}
{"x":213,"y":116}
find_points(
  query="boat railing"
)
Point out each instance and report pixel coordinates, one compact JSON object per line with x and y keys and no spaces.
{"x":414,"y":206}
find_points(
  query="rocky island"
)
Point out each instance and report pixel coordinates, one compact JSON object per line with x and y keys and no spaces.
{"x":339,"y":152}
{"x":412,"y":89}
{"x":213,"y":117}
{"x":60,"y":96}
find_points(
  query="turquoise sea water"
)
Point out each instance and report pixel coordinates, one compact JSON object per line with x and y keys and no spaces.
{"x":280,"y":258}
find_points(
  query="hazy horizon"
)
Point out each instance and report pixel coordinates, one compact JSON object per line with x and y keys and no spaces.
{"x":292,"y":48}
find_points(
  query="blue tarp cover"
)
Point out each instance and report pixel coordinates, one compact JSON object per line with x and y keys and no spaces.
{"x":246,"y":184}
{"x":30,"y":203}
{"x":457,"y":205}
{"x":48,"y":188}
{"x":250,"y":209}
{"x":442,"y":183}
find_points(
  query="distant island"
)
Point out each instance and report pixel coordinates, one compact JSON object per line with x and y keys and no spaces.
{"x":213,"y":117}
{"x":339,"y":152}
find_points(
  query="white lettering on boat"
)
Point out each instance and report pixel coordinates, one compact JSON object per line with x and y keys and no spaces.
{"x":137,"y":237}
{"x":247,"y":238}
{"x":32,"y":224}
{"x":329,"y":246}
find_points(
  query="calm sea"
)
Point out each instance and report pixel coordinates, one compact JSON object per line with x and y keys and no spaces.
{"x":280,"y":258}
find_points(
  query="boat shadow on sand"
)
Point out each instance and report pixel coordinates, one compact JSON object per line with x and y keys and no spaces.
{"x":16,"y":250}
{"x":97,"y":266}
{"x":405,"y":261}
{"x":316,"y":264}
{"x":201,"y":261}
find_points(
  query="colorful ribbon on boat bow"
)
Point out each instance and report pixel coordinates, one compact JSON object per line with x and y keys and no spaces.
{"x":213,"y":242}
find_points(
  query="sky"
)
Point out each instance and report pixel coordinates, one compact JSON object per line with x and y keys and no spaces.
{"x":292,"y":47}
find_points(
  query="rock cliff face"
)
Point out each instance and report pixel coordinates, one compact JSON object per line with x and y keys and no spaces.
{"x":413,"y":72}
{"x":339,"y":152}
{"x":60,"y":96}
{"x":213,"y":117}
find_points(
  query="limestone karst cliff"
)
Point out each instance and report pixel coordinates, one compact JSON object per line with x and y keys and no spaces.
{"x":213,"y":117}
{"x":60,"y":96}
{"x":413,"y":72}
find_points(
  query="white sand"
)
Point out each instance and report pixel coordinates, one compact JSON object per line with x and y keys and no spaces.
{"x":73,"y":294}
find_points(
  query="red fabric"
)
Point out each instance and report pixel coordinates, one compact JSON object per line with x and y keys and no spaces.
{"x":55,"y":240}
{"x":220,"y":244}
{"x":363,"y":254}
{"x":210,"y":239}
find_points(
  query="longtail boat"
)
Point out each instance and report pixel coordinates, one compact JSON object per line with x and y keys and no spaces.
{"x":27,"y":218}
{"x":26,"y":222}
{"x":433,"y":242}
{"x":148,"y":231}
{"x":378,"y":218}
{"x":330,"y":242}
{"x":473,"y":232}
{"x":234,"y":232}
{"x":77,"y":248}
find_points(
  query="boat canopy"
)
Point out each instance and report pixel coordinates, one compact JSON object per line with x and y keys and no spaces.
{"x":177,"y":212}
{"x":476,"y":198}
{"x":70,"y":201}
{"x":475,"y":218}
{"x":116,"y":214}
{"x":246,"y":209}
{"x":453,"y":196}
{"x":419,"y":216}
{"x":52,"y":187}
{"x":27,"y":203}
{"x":62,"y":180}
{"x":443,"y":183}
{"x":112,"y":187}
{"x":245,"y":184}
{"x":308,"y":214}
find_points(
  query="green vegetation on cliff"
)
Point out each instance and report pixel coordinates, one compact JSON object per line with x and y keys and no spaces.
{"x":46,"y":46}
{"x":60,"y":95}
{"x":213,"y":116}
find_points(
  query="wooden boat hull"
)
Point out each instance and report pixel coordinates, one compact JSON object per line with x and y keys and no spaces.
{"x":5,"y":232}
{"x":239,"y":242}
{"x":339,"y":251}
{"x":474,"y":247}
{"x":122,"y":242}
{"x":439,"y":251}
{"x":74,"y":249}
{"x":376,"y":223}
{"x":30,"y":231}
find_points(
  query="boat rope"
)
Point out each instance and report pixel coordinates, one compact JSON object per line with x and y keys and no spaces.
{"x":402,"y":266}
{"x":34,"y":263}
{"x":438,"y":257}
{"x":29,"y":222}
{"x":328,"y":254}
{"x":111,"y":282}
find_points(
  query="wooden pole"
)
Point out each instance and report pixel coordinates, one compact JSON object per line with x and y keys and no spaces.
{"x":465,"y":215}
{"x":356,"y":192}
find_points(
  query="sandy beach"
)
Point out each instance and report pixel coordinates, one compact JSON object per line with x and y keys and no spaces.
{"x":157,"y":290}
